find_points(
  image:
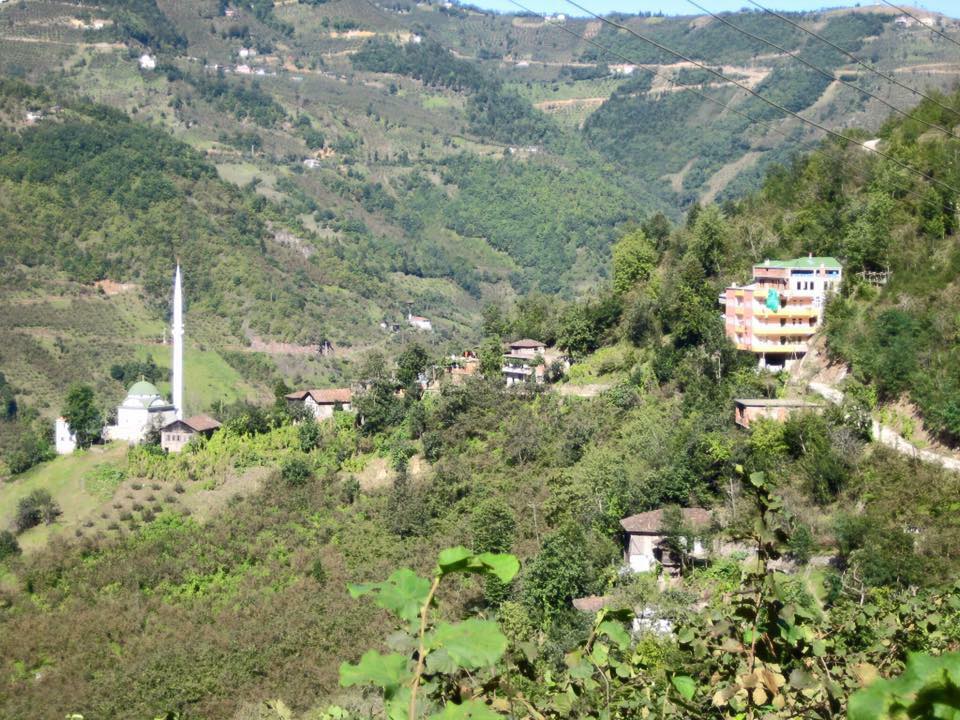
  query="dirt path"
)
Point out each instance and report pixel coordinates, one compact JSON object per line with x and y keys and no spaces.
{"x":887,"y":436}
{"x":548,"y":105}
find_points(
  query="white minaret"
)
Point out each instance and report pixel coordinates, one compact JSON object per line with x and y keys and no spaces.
{"x":178,"y":345}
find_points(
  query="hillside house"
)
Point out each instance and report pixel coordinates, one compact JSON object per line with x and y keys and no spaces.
{"x":778,"y":313}
{"x":322,"y":403}
{"x":147,"y":62}
{"x":746,"y":410}
{"x":175,"y":436}
{"x":460,"y":367}
{"x":420,"y":323}
{"x":644,"y":539}
{"x":64,"y":439}
{"x":527,"y":360}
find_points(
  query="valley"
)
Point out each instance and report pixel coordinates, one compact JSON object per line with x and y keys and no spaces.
{"x":530,"y":370}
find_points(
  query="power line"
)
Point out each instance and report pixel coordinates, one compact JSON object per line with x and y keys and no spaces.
{"x":888,"y":78}
{"x":757,"y":95}
{"x":945,"y":206}
{"x":655,"y":72}
{"x":929,"y":27}
{"x":820,"y":70}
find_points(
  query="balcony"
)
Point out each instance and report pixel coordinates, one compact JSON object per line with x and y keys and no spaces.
{"x":794,"y":330}
{"x":787,"y":348}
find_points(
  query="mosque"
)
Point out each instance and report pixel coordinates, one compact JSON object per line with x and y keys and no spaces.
{"x":144,"y":409}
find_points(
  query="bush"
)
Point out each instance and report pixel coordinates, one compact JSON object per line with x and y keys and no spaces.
{"x":35,"y":508}
{"x":296,"y":471}
{"x":800,"y":544}
{"x":8,"y":545}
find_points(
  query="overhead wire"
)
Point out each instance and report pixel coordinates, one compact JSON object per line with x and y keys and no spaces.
{"x":825,"y":73}
{"x":949,"y":207}
{"x":861,"y":63}
{"x":653,"y":71}
{"x":928,"y":27}
{"x":771,"y":103}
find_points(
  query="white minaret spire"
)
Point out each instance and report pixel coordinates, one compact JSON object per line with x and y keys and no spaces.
{"x":178,"y":345}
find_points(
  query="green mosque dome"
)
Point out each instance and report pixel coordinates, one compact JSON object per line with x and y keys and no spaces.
{"x":143,"y":389}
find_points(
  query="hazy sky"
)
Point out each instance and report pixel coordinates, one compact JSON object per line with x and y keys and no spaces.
{"x":680,"y":7}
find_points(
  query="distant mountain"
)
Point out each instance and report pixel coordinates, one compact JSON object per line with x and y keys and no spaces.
{"x":321,"y":167}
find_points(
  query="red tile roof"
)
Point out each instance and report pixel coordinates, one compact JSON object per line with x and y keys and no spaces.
{"x":202,"y":423}
{"x":527,"y":343}
{"x":651,"y":522}
{"x":329,"y":396}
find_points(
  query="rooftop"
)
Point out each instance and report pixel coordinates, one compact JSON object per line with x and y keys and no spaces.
{"x":327,"y":396}
{"x":651,"y":522}
{"x":527,"y":343}
{"x":805,"y":263}
{"x":143,"y":388}
{"x":197,"y":423}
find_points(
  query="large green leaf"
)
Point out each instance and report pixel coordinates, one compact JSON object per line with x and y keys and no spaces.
{"x":467,"y":710}
{"x":502,"y":566}
{"x":389,"y":672}
{"x":685,"y":685}
{"x":403,"y":593}
{"x":470,"y":644}
{"x":616,"y":632}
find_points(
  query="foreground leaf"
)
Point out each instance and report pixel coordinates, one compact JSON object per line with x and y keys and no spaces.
{"x":403,"y":593}
{"x":388,"y":672}
{"x":470,"y":644}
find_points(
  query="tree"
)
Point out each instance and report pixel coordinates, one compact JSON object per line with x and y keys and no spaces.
{"x":494,"y":322}
{"x":710,"y":239}
{"x":559,"y":572}
{"x":35,"y":508}
{"x":491,"y":358}
{"x":634,"y":260}
{"x":82,"y":414}
{"x":411,"y":364}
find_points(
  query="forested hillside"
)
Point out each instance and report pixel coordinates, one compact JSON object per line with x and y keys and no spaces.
{"x":320,"y":170}
{"x":844,"y":554}
{"x":367,"y":160}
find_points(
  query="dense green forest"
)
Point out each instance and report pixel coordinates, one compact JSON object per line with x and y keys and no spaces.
{"x":142,"y":617}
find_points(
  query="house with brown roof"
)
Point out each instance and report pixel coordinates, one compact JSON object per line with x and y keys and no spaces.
{"x":175,"y":435}
{"x":644,"y":538}
{"x":322,"y":403}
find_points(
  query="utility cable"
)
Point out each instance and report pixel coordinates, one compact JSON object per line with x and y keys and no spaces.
{"x":771,"y":103}
{"x":948,"y":207}
{"x":825,"y":73}
{"x":861,"y":63}
{"x":655,"y":72}
{"x":928,"y":27}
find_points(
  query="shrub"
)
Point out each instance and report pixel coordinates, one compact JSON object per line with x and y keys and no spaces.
{"x":296,"y":471}
{"x":137,"y":506}
{"x":179,"y":489}
{"x":137,"y":486}
{"x":8,"y":545}
{"x":35,"y":508}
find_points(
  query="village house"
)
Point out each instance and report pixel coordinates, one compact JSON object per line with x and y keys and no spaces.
{"x":420,"y":323}
{"x":147,"y":62}
{"x":644,"y":538}
{"x":746,"y":410}
{"x":460,"y":367}
{"x":322,"y":403}
{"x":175,"y":436}
{"x":527,"y":360}
{"x":778,"y":313}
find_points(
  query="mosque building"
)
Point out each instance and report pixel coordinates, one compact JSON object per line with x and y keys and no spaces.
{"x":144,"y":409}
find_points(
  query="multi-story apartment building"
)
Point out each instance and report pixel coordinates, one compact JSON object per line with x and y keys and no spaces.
{"x":776,"y":315}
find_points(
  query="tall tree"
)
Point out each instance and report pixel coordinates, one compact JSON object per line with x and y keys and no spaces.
{"x":83,"y":415}
{"x":634,"y":260}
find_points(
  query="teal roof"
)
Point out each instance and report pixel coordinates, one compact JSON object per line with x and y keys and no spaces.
{"x":805,"y":263}
{"x":143,"y":388}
